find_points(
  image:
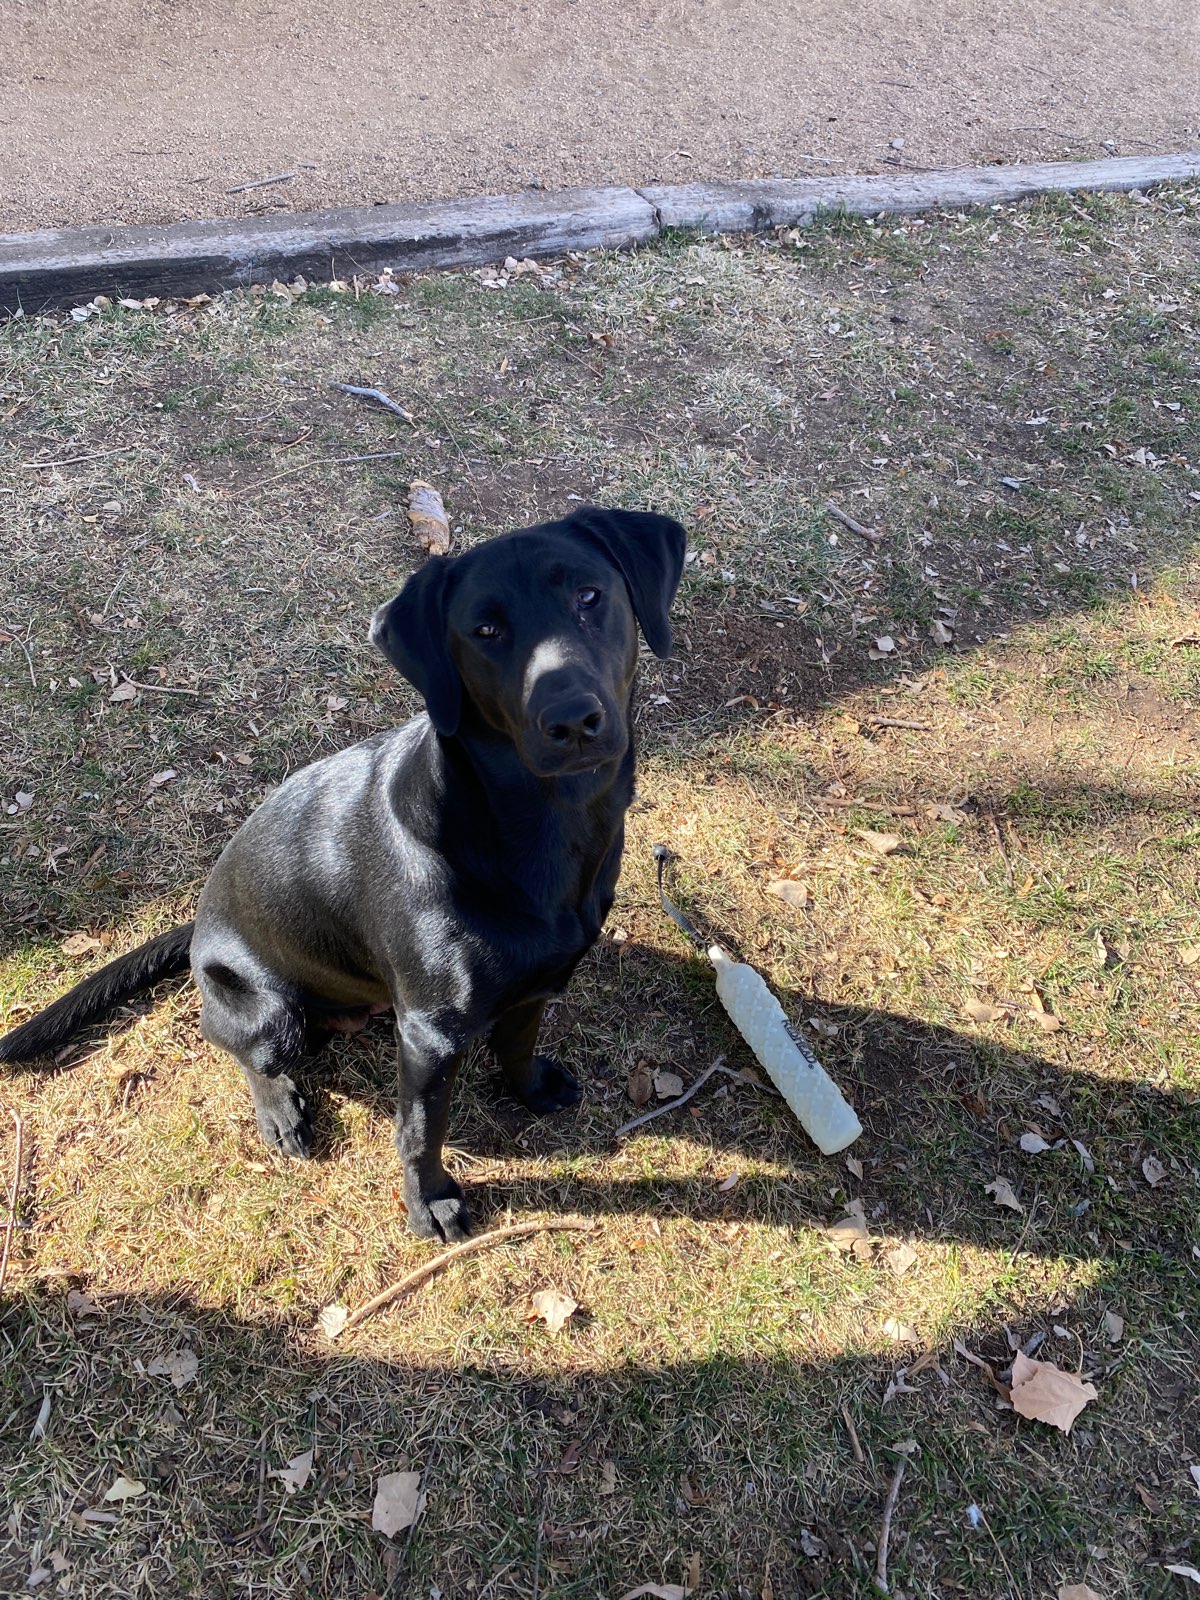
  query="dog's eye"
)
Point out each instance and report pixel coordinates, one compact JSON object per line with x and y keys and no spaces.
{"x":586,"y":598}
{"x":487,"y":630}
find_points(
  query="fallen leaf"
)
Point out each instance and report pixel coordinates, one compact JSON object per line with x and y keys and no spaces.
{"x":1077,"y":1591}
{"x":796,"y":894}
{"x":1046,"y":1020}
{"x":885,"y":644}
{"x":1183,"y":1572}
{"x":1002,"y":1194}
{"x":942,"y":811}
{"x":1195,"y":1472}
{"x":333,"y":1320}
{"x":570,"y":1458}
{"x":983,"y":1011}
{"x":1114,"y":1326}
{"x":297,"y":1472}
{"x":902,"y":1259}
{"x":668,"y":1085}
{"x":901,"y":1332}
{"x":731,"y":1182}
{"x":1032,"y":1143}
{"x":940,"y":633}
{"x":125,"y":1489}
{"x":79,"y":944}
{"x":181,"y":1366}
{"x":125,"y":691}
{"x":1045,"y":1393}
{"x":898,"y":1385}
{"x":1153,"y":1171}
{"x":608,"y":1478}
{"x":167,"y":775}
{"x":1085,"y":1155}
{"x":639,"y":1085}
{"x":854,"y":1166}
{"x":336,"y":702}
{"x":1190,"y":954}
{"x":850,"y":1232}
{"x":815,"y":1549}
{"x":398,"y":1502}
{"x":427,"y":516}
{"x":82,"y":1305}
{"x":553,"y":1308}
{"x":883,"y":844}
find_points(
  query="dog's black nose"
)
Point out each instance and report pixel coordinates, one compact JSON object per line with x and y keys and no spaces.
{"x":575,"y":721}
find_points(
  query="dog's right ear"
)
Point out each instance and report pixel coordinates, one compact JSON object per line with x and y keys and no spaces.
{"x":411,"y":632}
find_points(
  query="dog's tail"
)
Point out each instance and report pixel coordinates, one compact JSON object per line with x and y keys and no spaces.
{"x":92,"y":1000}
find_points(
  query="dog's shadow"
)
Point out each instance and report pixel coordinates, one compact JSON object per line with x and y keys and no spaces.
{"x":943,"y":1112}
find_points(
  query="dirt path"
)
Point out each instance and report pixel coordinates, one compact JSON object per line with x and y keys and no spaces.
{"x":130,"y":112}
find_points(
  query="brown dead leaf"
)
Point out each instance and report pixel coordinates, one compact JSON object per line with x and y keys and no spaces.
{"x":639,"y":1085}
{"x":79,"y":944}
{"x":1032,"y":1143}
{"x":1046,"y":1020}
{"x":1114,"y":1327}
{"x":983,"y":1010}
{"x":398,"y":1502}
{"x":902,"y":1259}
{"x":796,"y":894}
{"x":883,"y":844}
{"x":124,"y":691}
{"x":297,"y":1472}
{"x":428,"y":519}
{"x":1077,"y":1591}
{"x":850,"y":1232}
{"x":125,"y":1489}
{"x":1190,"y":954}
{"x":569,"y":1461}
{"x":660,"y":1591}
{"x":181,"y":1366}
{"x":82,"y":1305}
{"x":1045,"y":1393}
{"x":901,"y":1332}
{"x":167,"y":775}
{"x":608,"y":1478}
{"x":1002,"y":1194}
{"x":1153,"y":1171}
{"x":553,"y":1308}
{"x":854,"y":1166}
{"x":332,"y":1321}
{"x":731,"y":1182}
{"x":668,"y":1085}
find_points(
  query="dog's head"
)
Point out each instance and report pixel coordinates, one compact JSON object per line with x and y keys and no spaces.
{"x":535,"y":633}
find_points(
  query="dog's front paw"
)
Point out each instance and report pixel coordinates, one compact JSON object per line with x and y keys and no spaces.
{"x":440,"y":1214}
{"x":284,"y":1118}
{"x":546,"y":1087}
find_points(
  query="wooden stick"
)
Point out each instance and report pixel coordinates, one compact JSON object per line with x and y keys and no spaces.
{"x":24,"y":649}
{"x":885,"y":1532}
{"x":159,"y":688}
{"x":899,"y":722}
{"x":13,"y":1191}
{"x":856,"y":1448}
{"x":469,"y":1247}
{"x":848,"y":521}
{"x":73,"y":461}
{"x":261,"y":183}
{"x":321,"y":461}
{"x":673,"y":1105}
{"x":378,"y":396}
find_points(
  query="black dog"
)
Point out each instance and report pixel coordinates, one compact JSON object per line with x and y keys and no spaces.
{"x":456,"y":869}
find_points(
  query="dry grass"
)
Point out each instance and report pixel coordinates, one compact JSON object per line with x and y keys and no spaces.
{"x":1046,"y":807}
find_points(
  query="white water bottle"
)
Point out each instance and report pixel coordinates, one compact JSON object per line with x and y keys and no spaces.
{"x":801,"y":1079}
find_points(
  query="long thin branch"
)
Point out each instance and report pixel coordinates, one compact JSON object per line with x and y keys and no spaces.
{"x":24,"y":649}
{"x":13,"y":1191}
{"x":682,"y":1100}
{"x":847,"y":521}
{"x":321,"y":461}
{"x":885,"y":1532}
{"x":469,"y":1247}
{"x":378,"y":396}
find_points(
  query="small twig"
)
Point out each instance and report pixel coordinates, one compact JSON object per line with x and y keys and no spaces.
{"x":1008,"y":868}
{"x":379,"y":398}
{"x":856,"y":1449}
{"x":159,"y":688}
{"x":261,"y":183}
{"x":537,"y":1548}
{"x":14,"y":1190}
{"x":900,"y":722}
{"x":469,"y":1247}
{"x":322,"y":461}
{"x":73,"y":461}
{"x":681,"y":1100}
{"x":885,"y":1532}
{"x":848,"y":521}
{"x":24,"y":649}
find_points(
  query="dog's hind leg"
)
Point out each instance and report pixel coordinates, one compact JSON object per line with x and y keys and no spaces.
{"x":266,"y":1033}
{"x":538,"y":1082}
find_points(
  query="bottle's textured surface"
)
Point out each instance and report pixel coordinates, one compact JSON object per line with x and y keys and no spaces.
{"x":799,"y":1077}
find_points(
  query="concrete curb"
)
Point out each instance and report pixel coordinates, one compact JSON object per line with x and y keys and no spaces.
{"x":70,"y":266}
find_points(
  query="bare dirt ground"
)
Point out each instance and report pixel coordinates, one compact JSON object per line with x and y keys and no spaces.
{"x":133,"y":112}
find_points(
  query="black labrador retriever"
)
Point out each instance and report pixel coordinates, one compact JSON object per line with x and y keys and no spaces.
{"x":454,"y":870}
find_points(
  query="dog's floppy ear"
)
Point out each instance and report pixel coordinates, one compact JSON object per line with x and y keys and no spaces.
{"x":411,"y":632}
{"x":649,"y":550}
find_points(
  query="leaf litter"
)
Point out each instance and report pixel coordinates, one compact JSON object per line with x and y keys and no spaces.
{"x":1045,"y":1393}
